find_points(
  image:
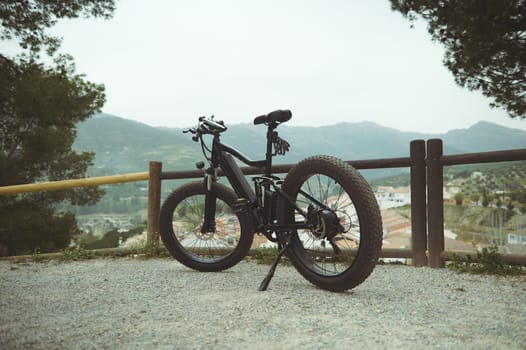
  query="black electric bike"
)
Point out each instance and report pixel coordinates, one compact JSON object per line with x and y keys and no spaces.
{"x":323,"y":215}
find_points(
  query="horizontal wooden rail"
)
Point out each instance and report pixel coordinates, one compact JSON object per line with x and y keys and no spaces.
{"x":284,"y":168}
{"x":483,"y":157}
{"x":381,"y":163}
{"x":66,"y":184}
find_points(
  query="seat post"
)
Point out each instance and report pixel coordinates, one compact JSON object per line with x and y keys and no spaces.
{"x":270,"y":139}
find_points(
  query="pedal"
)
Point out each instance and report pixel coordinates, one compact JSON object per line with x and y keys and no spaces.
{"x":241,"y":204}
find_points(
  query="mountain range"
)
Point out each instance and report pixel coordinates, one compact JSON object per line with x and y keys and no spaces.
{"x":124,"y":146}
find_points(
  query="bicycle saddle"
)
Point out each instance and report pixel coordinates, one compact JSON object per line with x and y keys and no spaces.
{"x":279,"y":116}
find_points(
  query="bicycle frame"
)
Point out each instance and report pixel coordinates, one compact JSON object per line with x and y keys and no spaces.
{"x":259,"y":202}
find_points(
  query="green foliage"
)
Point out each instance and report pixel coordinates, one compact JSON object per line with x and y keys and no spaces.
{"x":149,"y":249}
{"x":488,"y":261}
{"x":510,"y":206}
{"x":485,"y":45}
{"x":400,"y":180}
{"x":265,"y":255}
{"x":487,"y":198}
{"x":77,"y":253}
{"x":478,"y":224}
{"x":28,"y":20}
{"x":459,"y":197}
{"x":27,"y":226}
{"x":109,"y":240}
{"x":134,"y":231}
{"x":40,"y":106}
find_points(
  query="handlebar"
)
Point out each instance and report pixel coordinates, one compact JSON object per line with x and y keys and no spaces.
{"x":206,"y":126}
{"x":218,"y":126}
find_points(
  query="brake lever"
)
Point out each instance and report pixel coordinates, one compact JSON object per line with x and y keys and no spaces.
{"x":195,"y":132}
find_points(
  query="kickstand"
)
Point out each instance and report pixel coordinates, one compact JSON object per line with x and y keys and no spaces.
{"x":264,"y":284}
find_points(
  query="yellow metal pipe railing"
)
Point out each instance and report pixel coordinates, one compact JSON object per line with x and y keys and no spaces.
{"x":66,"y":184}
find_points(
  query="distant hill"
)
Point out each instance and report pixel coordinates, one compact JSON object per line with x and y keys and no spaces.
{"x":485,"y":136}
{"x":122,"y":145}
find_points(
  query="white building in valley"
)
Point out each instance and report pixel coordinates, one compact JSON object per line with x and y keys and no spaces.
{"x":390,"y":197}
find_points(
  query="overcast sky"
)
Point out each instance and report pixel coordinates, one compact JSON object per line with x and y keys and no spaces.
{"x":166,"y":62}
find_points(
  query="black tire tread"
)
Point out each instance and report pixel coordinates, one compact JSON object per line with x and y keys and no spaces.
{"x":368,"y":212}
{"x":179,"y":252}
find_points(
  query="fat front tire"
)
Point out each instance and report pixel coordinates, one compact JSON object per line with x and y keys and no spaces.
{"x":181,"y":219}
{"x":337,"y":261}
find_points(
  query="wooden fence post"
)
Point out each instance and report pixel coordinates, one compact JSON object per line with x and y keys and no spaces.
{"x":418,"y":203}
{"x":435,"y":207}
{"x":154,"y":204}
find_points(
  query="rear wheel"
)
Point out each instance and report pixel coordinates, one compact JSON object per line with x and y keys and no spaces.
{"x":341,"y":242}
{"x":181,"y":220}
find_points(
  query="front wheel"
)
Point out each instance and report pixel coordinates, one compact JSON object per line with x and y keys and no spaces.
{"x":218,"y":247}
{"x":341,"y":238}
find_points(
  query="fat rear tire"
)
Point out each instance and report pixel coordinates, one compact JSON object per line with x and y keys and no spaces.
{"x":329,"y":179}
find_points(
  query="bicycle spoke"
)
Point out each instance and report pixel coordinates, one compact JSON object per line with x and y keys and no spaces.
{"x":329,"y":192}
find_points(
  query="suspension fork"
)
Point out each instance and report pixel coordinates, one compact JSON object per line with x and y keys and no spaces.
{"x":209,"y":222}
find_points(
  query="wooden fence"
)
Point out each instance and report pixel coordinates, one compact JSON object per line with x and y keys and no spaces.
{"x":425,"y":161}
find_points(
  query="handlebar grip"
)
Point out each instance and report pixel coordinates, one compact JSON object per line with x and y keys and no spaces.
{"x":280,"y":115}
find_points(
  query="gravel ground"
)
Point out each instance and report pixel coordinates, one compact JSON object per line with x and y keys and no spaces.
{"x":131,"y":303}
